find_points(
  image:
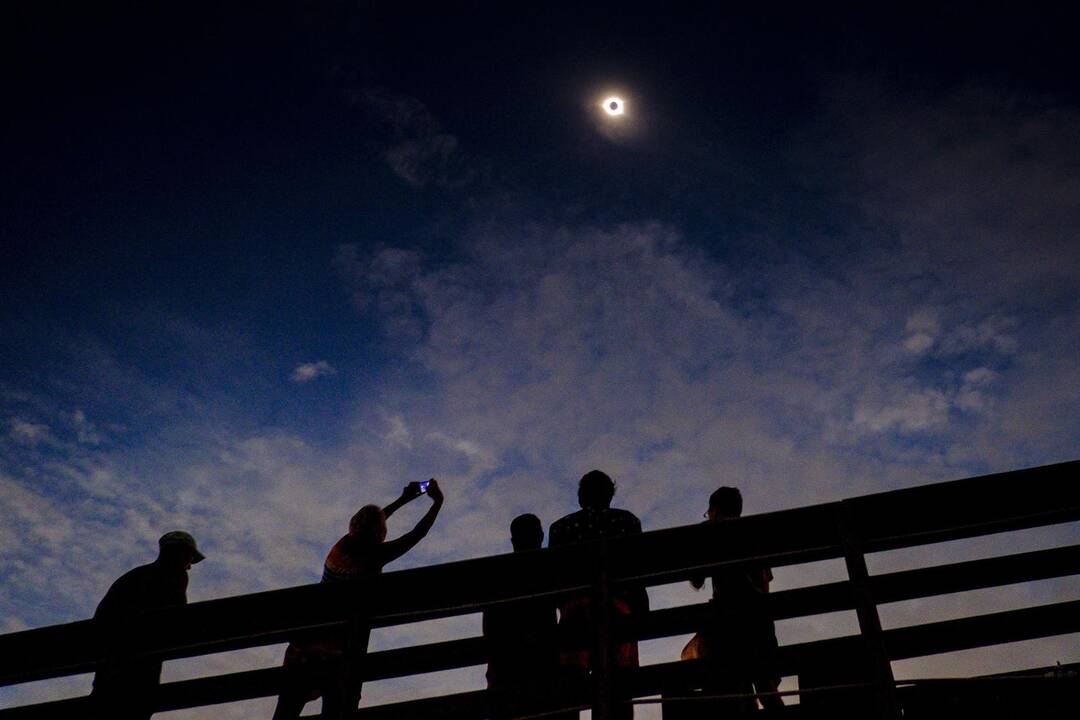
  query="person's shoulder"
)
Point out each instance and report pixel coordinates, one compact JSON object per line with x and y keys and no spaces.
{"x":624,"y":516}
{"x":127,"y":588}
{"x":339,"y":548}
{"x":562,"y":529}
{"x":622,"y":522}
{"x":135,"y":576}
{"x":566,"y":520}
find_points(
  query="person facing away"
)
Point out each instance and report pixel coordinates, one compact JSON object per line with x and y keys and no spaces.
{"x":520,"y":638}
{"x":596,"y":520}
{"x":124,"y":689}
{"x":358,"y":555}
{"x":740,"y":643}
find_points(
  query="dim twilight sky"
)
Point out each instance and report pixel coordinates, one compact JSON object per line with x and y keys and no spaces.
{"x":262,"y":266}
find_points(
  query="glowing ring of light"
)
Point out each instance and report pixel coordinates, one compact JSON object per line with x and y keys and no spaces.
{"x":614,"y":106}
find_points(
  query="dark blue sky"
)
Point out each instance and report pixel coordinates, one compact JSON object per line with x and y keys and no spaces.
{"x":207,"y":161}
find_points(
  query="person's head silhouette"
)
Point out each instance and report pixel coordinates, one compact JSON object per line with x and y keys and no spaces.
{"x":526,"y":532}
{"x":368,"y":524}
{"x":725,"y":504}
{"x":595,"y":490}
{"x":177,"y":550}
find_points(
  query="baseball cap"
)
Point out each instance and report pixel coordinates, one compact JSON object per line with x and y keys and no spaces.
{"x":179,"y":537}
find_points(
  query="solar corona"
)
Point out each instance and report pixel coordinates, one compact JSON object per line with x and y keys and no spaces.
{"x":614,"y":106}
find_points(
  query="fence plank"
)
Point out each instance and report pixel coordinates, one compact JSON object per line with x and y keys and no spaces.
{"x":903,"y":643}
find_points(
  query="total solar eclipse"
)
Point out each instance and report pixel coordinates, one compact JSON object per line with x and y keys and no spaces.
{"x":614,"y":106}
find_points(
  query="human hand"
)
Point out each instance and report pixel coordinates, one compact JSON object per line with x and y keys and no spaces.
{"x":434,"y":491}
{"x":411,"y":491}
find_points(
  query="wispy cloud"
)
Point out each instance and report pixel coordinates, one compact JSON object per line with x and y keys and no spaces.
{"x":86,"y":431}
{"x":27,"y":433}
{"x":420,"y":152}
{"x":306,"y":372}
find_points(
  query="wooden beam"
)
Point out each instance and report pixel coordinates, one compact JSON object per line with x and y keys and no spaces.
{"x":931,"y":513}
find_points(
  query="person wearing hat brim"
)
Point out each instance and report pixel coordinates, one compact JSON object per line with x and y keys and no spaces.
{"x":124,"y":689}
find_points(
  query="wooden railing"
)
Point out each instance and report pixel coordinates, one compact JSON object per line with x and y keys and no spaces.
{"x":846,"y":529}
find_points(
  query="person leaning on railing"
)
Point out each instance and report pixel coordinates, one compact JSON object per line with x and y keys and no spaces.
{"x":739,"y":645}
{"x":359,"y":555}
{"x":123,"y":689}
{"x":594,"y":521}
{"x":520,"y":640}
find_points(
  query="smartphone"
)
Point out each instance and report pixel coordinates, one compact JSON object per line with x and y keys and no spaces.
{"x":423,"y":485}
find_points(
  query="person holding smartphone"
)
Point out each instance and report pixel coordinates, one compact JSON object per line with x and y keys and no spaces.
{"x":361,"y":554}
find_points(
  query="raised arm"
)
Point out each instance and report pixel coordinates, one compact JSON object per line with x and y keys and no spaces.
{"x":397,"y":547}
{"x":409,"y":493}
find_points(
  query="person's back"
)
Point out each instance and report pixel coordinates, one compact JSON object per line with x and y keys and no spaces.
{"x":740,"y":643}
{"x":520,"y":638}
{"x":596,"y":520}
{"x":593,"y":523}
{"x":124,"y":688}
{"x":145,"y":587}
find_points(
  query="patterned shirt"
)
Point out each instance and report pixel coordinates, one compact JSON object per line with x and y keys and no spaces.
{"x":593,"y":524}
{"x":576,"y":613}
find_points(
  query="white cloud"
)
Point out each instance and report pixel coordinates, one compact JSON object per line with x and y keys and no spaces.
{"x":398,"y":433}
{"x":86,"y":432}
{"x":917,"y":412}
{"x":27,"y":433}
{"x":306,"y":372}
{"x":918,"y":343}
{"x":980,"y":376}
{"x":924,"y":321}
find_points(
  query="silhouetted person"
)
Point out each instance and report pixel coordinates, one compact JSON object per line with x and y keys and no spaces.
{"x":520,"y":637}
{"x":740,"y":642}
{"x":596,"y":520}
{"x":360,"y":555}
{"x":124,"y":689}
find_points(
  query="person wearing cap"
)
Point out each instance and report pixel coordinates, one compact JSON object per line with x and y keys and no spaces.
{"x":125,"y":689}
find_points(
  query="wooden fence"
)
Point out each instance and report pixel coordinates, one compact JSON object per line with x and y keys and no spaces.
{"x":847,"y":529}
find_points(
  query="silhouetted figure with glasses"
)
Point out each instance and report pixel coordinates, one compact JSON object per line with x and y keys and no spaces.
{"x":123,"y":688}
{"x":596,"y":520}
{"x":739,"y":645}
{"x":520,"y":638}
{"x":358,"y":556}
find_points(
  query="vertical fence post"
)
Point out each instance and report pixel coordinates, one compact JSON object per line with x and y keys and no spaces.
{"x":601,"y":661}
{"x":887,"y":707}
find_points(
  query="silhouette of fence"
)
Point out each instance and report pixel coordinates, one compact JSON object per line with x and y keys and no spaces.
{"x":845,"y":529}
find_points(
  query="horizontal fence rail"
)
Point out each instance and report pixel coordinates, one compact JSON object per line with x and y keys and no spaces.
{"x":884,"y":521}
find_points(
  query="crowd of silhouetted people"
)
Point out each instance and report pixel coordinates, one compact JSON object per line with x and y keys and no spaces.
{"x":540,"y":651}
